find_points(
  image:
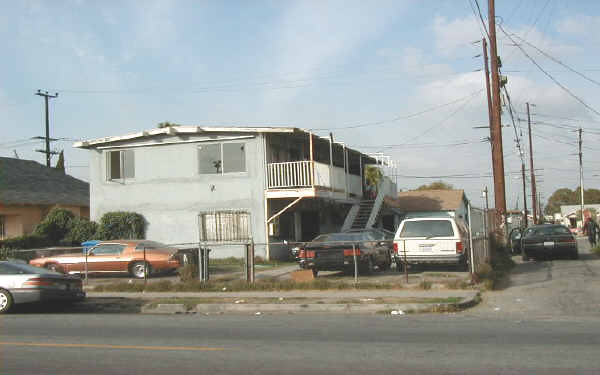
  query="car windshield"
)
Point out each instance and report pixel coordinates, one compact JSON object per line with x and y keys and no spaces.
{"x":427,"y":228}
{"x":546,"y":231}
{"x":7,"y":268}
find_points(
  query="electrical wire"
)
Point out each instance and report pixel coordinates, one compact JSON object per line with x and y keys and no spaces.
{"x":549,"y":75}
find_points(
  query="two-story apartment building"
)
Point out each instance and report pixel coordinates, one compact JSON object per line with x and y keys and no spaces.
{"x":218,"y":184}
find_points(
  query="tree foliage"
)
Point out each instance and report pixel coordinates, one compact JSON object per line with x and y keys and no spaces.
{"x":55,"y":225}
{"x":373,"y":176}
{"x":82,"y":230}
{"x":436,"y":185}
{"x":566,"y":196}
{"x":121,"y":225}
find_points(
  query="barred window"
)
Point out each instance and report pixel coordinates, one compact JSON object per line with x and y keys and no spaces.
{"x":224,"y":226}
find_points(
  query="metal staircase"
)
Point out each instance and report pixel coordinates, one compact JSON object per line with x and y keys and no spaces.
{"x":363,"y":215}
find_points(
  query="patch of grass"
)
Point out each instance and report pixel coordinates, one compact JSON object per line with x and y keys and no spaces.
{"x":499,"y":267}
{"x":237,"y":286}
{"x":425,"y":285}
{"x":457,"y":284}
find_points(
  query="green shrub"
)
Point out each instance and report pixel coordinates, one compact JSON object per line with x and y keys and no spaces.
{"x":121,"y":225}
{"x":82,"y":230}
{"x":28,"y":241}
{"x":55,"y":225}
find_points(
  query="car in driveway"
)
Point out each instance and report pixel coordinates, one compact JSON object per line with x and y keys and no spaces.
{"x":335,"y":251}
{"x":548,"y":241}
{"x":22,"y":283}
{"x":138,"y":258}
{"x":432,"y":240}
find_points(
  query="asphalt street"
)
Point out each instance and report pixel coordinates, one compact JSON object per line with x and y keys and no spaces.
{"x":545,"y":322}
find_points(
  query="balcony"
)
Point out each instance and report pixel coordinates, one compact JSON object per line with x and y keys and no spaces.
{"x":306,"y":178}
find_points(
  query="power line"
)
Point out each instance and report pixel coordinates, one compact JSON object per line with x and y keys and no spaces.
{"x":549,"y":75}
{"x":401,"y":117}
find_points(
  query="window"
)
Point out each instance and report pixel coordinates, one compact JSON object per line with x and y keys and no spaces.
{"x":108,"y":249}
{"x":120,"y":165}
{"x":2,"y":227}
{"x":219,"y":158}
{"x":224,"y":226}
{"x":427,"y":228}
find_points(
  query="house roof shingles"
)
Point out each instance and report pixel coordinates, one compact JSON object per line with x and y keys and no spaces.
{"x":26,"y":182}
{"x":427,"y":200}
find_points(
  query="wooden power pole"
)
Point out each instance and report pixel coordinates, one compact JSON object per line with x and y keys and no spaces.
{"x":47,"y":138}
{"x":496,"y":128}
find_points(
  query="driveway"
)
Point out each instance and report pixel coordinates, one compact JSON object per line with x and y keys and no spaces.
{"x":552,"y":289}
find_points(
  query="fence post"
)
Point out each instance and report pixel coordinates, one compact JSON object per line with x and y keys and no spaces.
{"x":471,"y":242}
{"x":86,"y":266}
{"x":250,"y":262}
{"x":355,"y":264}
{"x":146,"y":268}
{"x":200,"y":263}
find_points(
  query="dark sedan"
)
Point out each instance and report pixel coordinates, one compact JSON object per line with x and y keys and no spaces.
{"x":548,"y":240}
{"x":335,"y":252}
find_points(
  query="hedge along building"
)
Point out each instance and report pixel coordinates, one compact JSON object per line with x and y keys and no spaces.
{"x":217,"y":184}
{"x":29,"y":190}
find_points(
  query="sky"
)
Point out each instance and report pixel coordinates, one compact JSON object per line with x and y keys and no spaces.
{"x":403,"y":78}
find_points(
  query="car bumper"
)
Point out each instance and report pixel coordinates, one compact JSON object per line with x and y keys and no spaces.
{"x":332,"y":264}
{"x":541,"y":252}
{"x":431,"y":259}
{"x":38,"y":295}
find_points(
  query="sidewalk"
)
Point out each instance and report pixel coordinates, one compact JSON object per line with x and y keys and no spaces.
{"x":397,"y":302}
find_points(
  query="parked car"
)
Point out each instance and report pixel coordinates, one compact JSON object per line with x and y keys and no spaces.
{"x":432,"y":240}
{"x":22,"y":283}
{"x":334,"y":252}
{"x":117,"y":256}
{"x":514,"y":239}
{"x":548,"y":240}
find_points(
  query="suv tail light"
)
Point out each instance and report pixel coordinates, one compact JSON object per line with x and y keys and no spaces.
{"x":459,"y":247}
{"x":396,"y":248}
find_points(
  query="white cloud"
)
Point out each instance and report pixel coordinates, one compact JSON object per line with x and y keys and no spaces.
{"x":579,"y":25}
{"x":312,"y":35}
{"x":449,"y":35}
{"x":412,"y":61}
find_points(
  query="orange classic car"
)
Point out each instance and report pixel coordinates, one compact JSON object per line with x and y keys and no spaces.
{"x":125,"y":256}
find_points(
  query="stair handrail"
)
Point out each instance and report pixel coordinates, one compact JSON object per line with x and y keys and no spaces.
{"x":381,"y":193}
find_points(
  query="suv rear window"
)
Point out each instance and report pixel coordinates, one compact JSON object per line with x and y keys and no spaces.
{"x":427,"y":228}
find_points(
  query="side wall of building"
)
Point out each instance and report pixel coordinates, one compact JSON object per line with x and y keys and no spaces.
{"x":170,"y":193}
{"x":22,"y":219}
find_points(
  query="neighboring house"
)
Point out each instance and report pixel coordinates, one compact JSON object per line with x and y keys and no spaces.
{"x":569,"y":217}
{"x":29,"y":190}
{"x":215,"y":184}
{"x":424,"y":203}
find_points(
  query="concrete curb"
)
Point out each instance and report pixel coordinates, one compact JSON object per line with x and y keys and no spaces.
{"x":273,"y":308}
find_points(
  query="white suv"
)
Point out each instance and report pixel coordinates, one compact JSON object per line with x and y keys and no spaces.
{"x":432,"y":240}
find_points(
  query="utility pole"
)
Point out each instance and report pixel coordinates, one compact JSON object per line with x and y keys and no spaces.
{"x":487,"y":82}
{"x":533,"y":187}
{"x":496,"y":129}
{"x":525,"y":197}
{"x":47,"y":151}
{"x":581,"y":175}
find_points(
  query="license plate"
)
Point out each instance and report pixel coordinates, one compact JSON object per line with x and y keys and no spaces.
{"x":426,"y":247}
{"x":549,"y":244}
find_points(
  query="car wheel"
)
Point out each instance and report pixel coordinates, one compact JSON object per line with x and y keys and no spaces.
{"x":6,"y":301}
{"x":525,"y":257}
{"x":140,"y":270}
{"x":53,"y":267}
{"x":315,"y":272}
{"x":386,"y":264}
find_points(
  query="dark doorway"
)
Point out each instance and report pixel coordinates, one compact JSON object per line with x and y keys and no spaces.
{"x":310,"y":225}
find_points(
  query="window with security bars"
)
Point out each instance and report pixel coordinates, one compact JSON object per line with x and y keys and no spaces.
{"x":224,"y":226}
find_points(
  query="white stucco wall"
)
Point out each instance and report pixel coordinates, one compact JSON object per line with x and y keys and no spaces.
{"x":170,"y":193}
